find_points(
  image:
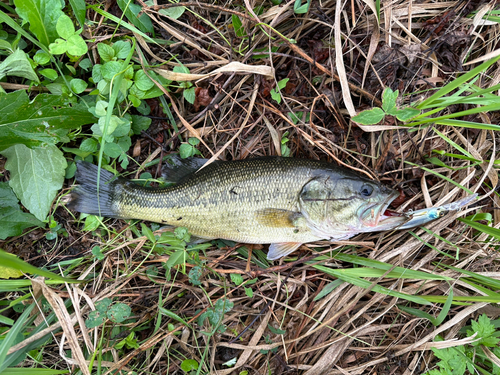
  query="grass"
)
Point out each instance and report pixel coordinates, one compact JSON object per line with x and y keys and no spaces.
{"x":115,"y":86}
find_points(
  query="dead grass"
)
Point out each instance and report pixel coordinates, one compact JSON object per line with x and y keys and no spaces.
{"x":340,"y":63}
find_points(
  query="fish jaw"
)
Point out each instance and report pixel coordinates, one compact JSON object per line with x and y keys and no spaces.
{"x":377,"y":217}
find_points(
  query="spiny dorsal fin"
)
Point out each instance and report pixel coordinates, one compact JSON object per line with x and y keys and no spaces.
{"x":279,"y":250}
{"x":176,"y":168}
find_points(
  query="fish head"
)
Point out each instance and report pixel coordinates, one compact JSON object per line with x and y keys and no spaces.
{"x":339,"y":208}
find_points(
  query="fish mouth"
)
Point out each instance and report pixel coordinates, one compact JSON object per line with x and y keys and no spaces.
{"x":381,"y":217}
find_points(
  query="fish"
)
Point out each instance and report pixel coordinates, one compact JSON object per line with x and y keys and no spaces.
{"x":284,"y":202}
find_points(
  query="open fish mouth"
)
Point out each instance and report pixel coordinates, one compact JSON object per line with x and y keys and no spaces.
{"x":380,"y":217}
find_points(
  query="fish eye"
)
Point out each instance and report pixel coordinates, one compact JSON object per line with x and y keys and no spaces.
{"x":366,"y":190}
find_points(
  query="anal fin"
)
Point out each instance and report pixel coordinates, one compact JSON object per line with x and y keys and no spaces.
{"x":279,"y":250}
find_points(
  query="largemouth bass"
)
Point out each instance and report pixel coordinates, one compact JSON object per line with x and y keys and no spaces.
{"x":284,"y":202}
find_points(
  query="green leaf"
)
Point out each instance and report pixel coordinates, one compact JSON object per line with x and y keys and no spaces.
{"x":18,"y":65}
{"x":58,"y":47}
{"x":195,"y":275}
{"x":12,"y":220}
{"x":111,"y":69}
{"x":49,"y":73}
{"x":95,"y":319}
{"x":47,"y":119}
{"x":189,"y":364}
{"x":76,"y":46}
{"x":89,"y":145}
{"x":370,"y":116}
{"x":36,"y":176}
{"x":121,"y":48}
{"x":119,"y":312}
{"x":405,"y":114}
{"x":78,"y":85}
{"x":79,"y":9}
{"x":106,"y":52}
{"x":238,"y":26}
{"x":301,"y":9}
{"x":172,"y":315}
{"x":42,"y":15}
{"x":276,"y":331}
{"x":236,"y":278}
{"x":132,"y":11}
{"x":389,"y":98}
{"x":112,"y":150}
{"x":65,"y":27}
{"x":142,"y":80}
{"x":174,"y":12}
{"x":42,"y":57}
{"x":140,"y":123}
{"x":190,"y":95}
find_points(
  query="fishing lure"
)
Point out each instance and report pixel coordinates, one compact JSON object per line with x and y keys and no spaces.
{"x":426,"y":215}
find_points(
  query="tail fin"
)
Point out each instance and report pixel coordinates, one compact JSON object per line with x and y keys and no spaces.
{"x":85,"y":197}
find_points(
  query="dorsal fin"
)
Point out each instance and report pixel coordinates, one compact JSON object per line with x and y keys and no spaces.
{"x":176,"y":168}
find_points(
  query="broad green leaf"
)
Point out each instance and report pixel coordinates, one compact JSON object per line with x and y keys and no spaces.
{"x":389,"y":98}
{"x":121,"y":48}
{"x":42,"y":57}
{"x":89,"y":145}
{"x":36,"y":175}
{"x":59,"y":47}
{"x":106,"y":52}
{"x":190,"y":95}
{"x":132,"y":11}
{"x":65,"y":27}
{"x":12,"y":220}
{"x":189,"y":364}
{"x":18,"y":65}
{"x":78,"y":85}
{"x":174,"y":12}
{"x":142,"y":81}
{"x":79,"y":9}
{"x":370,"y":116}
{"x":47,"y":119}
{"x":42,"y":15}
{"x":49,"y":73}
{"x":405,"y":114}
{"x":110,"y":69}
{"x":76,"y":45}
{"x":239,"y":30}
{"x":119,"y":312}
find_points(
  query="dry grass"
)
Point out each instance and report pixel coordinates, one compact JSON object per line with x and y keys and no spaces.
{"x":340,"y":63}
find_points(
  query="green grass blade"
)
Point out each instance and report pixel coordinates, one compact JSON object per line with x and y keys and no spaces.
{"x":357,"y":281}
{"x":121,"y":23}
{"x":435,"y":321}
{"x":9,"y":261}
{"x":12,"y":335}
{"x":457,"y":82}
{"x":399,"y":271}
{"x":482,"y":228}
{"x":34,"y":371}
{"x":441,"y":176}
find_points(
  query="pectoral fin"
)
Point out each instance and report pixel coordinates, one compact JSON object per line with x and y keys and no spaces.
{"x":279,"y":250}
{"x":276,"y":218}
